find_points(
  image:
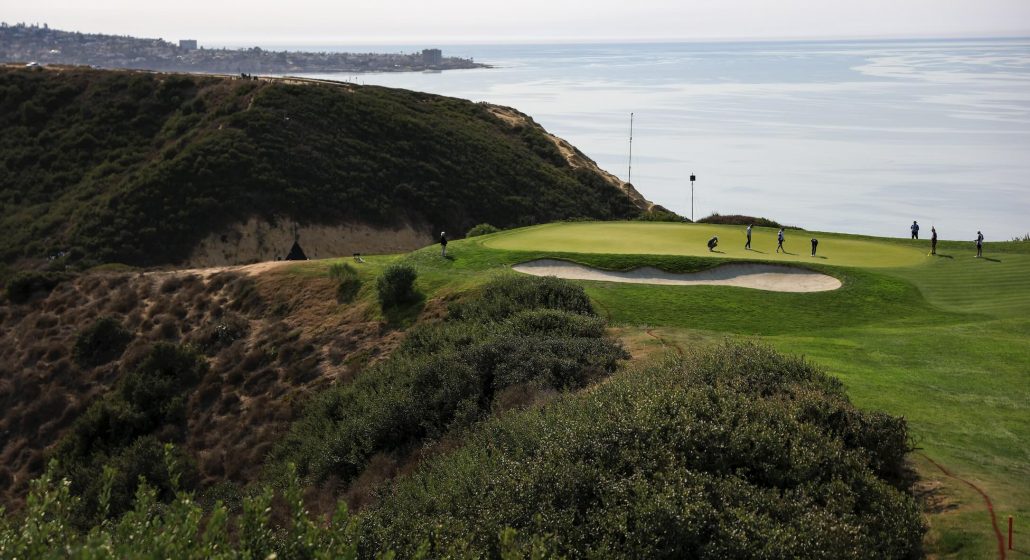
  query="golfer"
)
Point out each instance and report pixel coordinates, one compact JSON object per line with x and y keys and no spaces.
{"x":815,"y":243}
{"x":443,"y":244}
{"x":779,"y":239}
{"x":933,"y":240}
{"x":712,"y":243}
{"x":915,"y":229}
{"x":979,"y":244}
{"x":747,"y":246}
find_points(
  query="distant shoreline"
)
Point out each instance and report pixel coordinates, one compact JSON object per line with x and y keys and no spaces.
{"x":45,"y":46}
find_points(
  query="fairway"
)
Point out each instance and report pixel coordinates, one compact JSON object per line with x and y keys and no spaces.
{"x":664,"y":238}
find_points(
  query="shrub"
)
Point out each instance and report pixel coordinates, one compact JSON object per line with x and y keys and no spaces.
{"x":740,"y":220}
{"x":508,"y":295}
{"x":23,"y":285}
{"x":445,"y":376}
{"x":660,"y":215}
{"x":396,"y":286}
{"x":212,"y":337}
{"x":100,"y":343}
{"x":482,"y":229}
{"x":347,"y":281}
{"x":682,"y":459}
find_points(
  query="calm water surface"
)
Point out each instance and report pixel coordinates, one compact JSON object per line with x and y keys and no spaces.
{"x":861,"y":137}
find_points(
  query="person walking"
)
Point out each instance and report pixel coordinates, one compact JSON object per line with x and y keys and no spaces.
{"x":915,"y":229}
{"x":779,"y":239}
{"x":933,"y":240}
{"x":443,"y":244}
{"x":747,"y":246}
{"x":712,"y":243}
{"x":979,"y":244}
{"x":815,"y":243}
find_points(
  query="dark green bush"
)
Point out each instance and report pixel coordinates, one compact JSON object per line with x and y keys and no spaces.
{"x":508,"y":295}
{"x":212,"y":337}
{"x":396,"y":285}
{"x":23,"y":285}
{"x":739,"y":220}
{"x":347,"y":281}
{"x":482,"y":229}
{"x":734,"y":452}
{"x":660,"y":215}
{"x":101,"y":342}
{"x":121,"y":431}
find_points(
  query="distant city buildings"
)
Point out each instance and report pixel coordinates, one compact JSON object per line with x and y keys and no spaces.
{"x":432,"y":57}
{"x":26,"y":43}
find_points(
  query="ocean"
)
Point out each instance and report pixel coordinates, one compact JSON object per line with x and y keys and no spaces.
{"x":856,"y":136}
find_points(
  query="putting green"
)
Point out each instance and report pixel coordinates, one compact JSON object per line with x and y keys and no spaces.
{"x":663,"y":238}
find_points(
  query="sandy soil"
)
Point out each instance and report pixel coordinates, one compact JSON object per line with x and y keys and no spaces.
{"x":258,"y":240}
{"x":774,"y":278}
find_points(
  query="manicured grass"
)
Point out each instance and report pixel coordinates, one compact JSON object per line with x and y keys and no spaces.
{"x":943,"y":341}
{"x":664,"y":238}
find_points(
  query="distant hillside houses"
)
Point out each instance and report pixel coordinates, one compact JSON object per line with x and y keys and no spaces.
{"x":24,"y":43}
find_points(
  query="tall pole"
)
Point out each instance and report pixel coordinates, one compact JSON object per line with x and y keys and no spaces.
{"x":692,"y":177}
{"x":629,"y":174}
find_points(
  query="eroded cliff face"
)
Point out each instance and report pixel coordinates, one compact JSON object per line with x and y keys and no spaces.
{"x":575,"y":157}
{"x":258,"y":240}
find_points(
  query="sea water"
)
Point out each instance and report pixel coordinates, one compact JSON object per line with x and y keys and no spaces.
{"x":859,"y":136}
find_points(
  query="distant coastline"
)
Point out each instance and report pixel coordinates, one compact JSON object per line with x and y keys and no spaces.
{"x":43,"y":45}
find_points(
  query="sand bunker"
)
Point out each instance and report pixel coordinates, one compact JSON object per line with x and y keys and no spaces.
{"x":774,"y":278}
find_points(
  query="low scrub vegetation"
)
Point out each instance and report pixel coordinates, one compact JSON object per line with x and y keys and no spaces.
{"x":347,"y":282}
{"x":125,"y":432}
{"x":482,"y":229}
{"x":101,"y":342}
{"x":447,"y":376}
{"x":731,"y":453}
{"x":740,"y":220}
{"x":23,"y":285}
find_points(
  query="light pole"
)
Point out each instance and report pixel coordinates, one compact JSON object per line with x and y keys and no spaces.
{"x":692,"y":177}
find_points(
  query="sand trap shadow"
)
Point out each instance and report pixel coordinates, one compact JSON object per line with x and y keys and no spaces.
{"x":769,"y":277}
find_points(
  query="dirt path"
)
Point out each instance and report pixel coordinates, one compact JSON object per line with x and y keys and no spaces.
{"x":774,"y":278}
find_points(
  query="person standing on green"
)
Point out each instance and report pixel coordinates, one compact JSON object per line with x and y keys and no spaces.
{"x":443,"y":244}
{"x":979,"y":244}
{"x":747,"y":246}
{"x":779,"y":239}
{"x":915,"y":229}
{"x":933,"y":240}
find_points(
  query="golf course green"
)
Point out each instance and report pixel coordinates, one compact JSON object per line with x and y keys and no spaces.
{"x":943,"y":341}
{"x":664,"y":238}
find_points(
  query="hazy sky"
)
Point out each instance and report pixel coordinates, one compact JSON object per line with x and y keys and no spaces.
{"x":216,"y":22}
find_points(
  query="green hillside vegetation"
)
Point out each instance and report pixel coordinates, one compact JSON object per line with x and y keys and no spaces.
{"x":133,"y":167}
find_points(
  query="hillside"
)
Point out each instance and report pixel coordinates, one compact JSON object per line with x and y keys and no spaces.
{"x":141,"y":168}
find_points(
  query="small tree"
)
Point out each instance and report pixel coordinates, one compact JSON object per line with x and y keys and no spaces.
{"x":100,"y":343}
{"x":397,"y":285}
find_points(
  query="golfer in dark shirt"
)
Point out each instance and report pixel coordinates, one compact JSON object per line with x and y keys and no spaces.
{"x":779,"y":239}
{"x":815,"y":243}
{"x":443,"y":244}
{"x":713,"y":242}
{"x":933,"y":240}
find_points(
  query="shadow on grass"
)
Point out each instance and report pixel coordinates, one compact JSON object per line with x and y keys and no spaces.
{"x":990,"y":259}
{"x":756,"y":251}
{"x":404,"y":315}
{"x":943,"y":256}
{"x":715,"y":251}
{"x":818,"y":257}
